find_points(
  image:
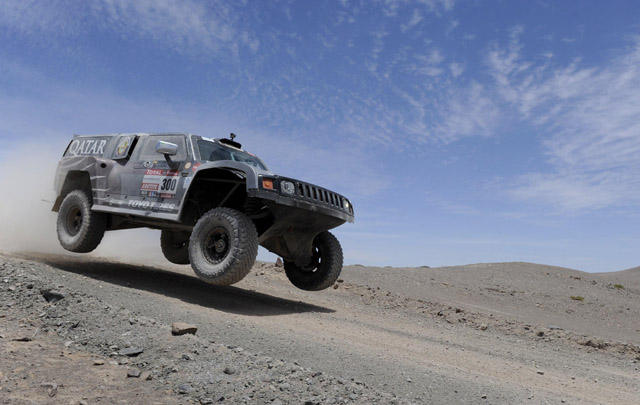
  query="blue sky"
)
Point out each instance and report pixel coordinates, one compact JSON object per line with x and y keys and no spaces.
{"x":463,"y":131}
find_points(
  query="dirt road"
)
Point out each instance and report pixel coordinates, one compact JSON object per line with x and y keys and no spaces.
{"x":495,"y":333}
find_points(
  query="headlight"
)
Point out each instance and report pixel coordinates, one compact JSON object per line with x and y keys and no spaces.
{"x":287,"y":187}
{"x":346,"y":204}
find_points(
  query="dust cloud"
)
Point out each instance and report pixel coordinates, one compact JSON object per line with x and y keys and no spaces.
{"x":27,"y":223}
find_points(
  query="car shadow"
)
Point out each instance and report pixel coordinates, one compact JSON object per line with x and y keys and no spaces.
{"x":184,"y":287}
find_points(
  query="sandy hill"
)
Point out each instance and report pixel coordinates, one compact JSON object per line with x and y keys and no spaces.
{"x":532,"y":293}
{"x":627,"y":278}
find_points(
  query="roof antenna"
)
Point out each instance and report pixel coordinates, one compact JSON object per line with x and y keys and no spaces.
{"x":232,"y":136}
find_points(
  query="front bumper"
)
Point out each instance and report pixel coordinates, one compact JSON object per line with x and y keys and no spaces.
{"x":303,"y":204}
{"x":299,"y":217}
{"x":308,"y":197}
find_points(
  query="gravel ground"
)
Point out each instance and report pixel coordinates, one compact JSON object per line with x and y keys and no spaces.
{"x":77,"y":329}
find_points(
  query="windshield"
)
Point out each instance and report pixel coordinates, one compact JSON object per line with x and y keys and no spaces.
{"x":213,"y":151}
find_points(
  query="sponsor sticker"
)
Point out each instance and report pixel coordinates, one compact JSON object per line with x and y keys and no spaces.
{"x":149,"y":186}
{"x":122,"y":148}
{"x":152,"y":205}
{"x":145,"y":205}
{"x":87,"y":147}
{"x":162,"y":182}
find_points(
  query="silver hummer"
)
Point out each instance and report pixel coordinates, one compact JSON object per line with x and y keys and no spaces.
{"x":213,"y":202}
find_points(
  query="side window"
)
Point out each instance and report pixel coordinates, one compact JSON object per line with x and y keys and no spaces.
{"x":149,"y":149}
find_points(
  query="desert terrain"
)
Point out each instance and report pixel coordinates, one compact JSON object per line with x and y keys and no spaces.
{"x":93,"y":330}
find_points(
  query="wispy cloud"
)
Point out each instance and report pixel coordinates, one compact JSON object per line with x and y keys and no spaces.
{"x":468,"y":112}
{"x":428,"y":64}
{"x":438,"y":5}
{"x":184,"y":25}
{"x":571,"y":192}
{"x":378,"y":46}
{"x":590,"y":118}
{"x":415,"y":19}
{"x":305,"y":90}
{"x":37,"y":17}
{"x":456,"y":69}
{"x":402,"y":91}
{"x":60,"y":110}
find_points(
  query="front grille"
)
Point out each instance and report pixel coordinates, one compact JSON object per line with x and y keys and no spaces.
{"x":319,"y":194}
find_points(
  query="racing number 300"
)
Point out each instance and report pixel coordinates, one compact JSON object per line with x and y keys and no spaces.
{"x":168,"y":184}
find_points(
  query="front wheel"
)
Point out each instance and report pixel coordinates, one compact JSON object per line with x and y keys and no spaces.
{"x":223,"y":246}
{"x":80,"y":230}
{"x":325,"y":266}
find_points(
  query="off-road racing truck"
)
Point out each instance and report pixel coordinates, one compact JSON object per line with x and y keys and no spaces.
{"x":213,"y":202}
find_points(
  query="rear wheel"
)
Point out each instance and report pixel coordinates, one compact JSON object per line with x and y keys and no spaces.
{"x":325,"y":266}
{"x":79,"y":229}
{"x":223,"y":246}
{"x":175,"y":246}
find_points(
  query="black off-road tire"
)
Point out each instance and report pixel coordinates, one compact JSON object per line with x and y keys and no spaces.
{"x":175,"y":246}
{"x":325,"y":267}
{"x":80,"y":230}
{"x":223,"y":246}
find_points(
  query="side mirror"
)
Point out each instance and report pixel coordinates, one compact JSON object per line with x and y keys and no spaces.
{"x":166,"y":148}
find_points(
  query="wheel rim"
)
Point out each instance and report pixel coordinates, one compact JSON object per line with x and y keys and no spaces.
{"x":316,"y":260}
{"x":73,"y":222}
{"x":216,"y":245}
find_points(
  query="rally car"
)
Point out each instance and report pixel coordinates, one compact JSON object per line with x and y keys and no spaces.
{"x":213,"y":202}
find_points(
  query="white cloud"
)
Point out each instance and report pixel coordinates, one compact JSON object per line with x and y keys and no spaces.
{"x":211,"y":25}
{"x":456,"y":69}
{"x":183,"y":25}
{"x":378,"y":46}
{"x":33,"y":16}
{"x":390,"y":8}
{"x":590,"y":118}
{"x":567,"y":193}
{"x":436,"y":5}
{"x":415,"y":19}
{"x":427,"y":64}
{"x":61,"y":110}
{"x":470,"y":112}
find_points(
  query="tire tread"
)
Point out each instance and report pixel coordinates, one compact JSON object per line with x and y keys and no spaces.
{"x":170,"y":252}
{"x":330,"y":270}
{"x":243,"y":255}
{"x":93,"y":232}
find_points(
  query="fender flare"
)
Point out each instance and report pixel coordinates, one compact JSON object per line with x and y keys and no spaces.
{"x":250,"y":174}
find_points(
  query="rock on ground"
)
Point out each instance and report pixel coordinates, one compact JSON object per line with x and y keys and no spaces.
{"x":181,"y":328}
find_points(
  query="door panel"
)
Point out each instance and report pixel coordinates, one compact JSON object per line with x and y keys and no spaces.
{"x":150,"y":184}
